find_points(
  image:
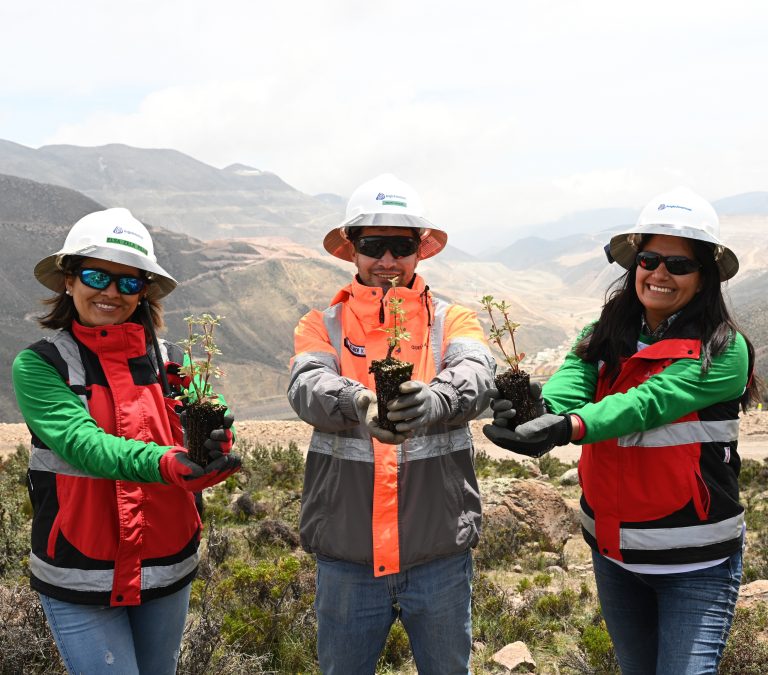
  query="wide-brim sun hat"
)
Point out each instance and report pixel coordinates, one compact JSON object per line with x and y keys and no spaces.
{"x":113,"y":235}
{"x":385,"y":201}
{"x":679,"y":213}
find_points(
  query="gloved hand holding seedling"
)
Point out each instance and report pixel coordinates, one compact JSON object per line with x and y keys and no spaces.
{"x":389,"y":373}
{"x":203,"y":421}
{"x":514,"y":399}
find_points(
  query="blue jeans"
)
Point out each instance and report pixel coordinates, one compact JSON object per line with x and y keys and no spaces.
{"x":355,"y":611}
{"x":668,"y":624}
{"x":94,"y":639}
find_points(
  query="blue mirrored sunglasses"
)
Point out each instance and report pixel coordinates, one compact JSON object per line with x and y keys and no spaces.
{"x":100,"y":280}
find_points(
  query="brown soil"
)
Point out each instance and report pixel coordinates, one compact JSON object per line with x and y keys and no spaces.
{"x":389,"y":374}
{"x":753,"y":438}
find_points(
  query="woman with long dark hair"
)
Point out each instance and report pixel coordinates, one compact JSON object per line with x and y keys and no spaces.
{"x":652,"y":391}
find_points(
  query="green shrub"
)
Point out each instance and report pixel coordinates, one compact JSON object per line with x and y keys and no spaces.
{"x":753,"y":474}
{"x":556,"y":605}
{"x":397,"y":650}
{"x":275,"y":467}
{"x":746,"y":653}
{"x":15,"y":512}
{"x":487,"y":467}
{"x":497,"y":620}
{"x":501,"y":543}
{"x":268,"y":611}
{"x":553,"y":467}
{"x":598,"y":648}
{"x":27,"y":644}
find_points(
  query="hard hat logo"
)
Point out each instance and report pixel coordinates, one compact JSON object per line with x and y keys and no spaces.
{"x":392,"y":200}
{"x":673,"y":206}
{"x":129,"y":244}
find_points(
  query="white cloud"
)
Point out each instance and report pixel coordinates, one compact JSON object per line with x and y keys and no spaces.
{"x":500,"y":113}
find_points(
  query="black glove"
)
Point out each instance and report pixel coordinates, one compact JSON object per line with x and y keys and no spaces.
{"x":502,"y":407}
{"x":178,"y":469}
{"x":533,"y":438}
{"x":221,"y":439}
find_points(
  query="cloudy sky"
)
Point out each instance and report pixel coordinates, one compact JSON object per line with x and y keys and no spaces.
{"x":500,"y":113}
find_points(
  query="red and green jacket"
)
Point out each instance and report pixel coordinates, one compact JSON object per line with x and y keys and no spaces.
{"x":659,"y":465}
{"x":106,"y":529}
{"x":390,"y":507}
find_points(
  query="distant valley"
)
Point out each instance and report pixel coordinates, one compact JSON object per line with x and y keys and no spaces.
{"x":246,"y":245}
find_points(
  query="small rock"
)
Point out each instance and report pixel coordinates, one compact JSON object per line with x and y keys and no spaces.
{"x":516,"y":658}
{"x":750,"y":594}
{"x":570,"y":477}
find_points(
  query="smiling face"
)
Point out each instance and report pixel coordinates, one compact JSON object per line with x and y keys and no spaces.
{"x":106,"y":307}
{"x":380,"y":271}
{"x":661,"y":293}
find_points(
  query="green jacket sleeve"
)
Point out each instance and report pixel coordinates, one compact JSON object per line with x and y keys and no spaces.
{"x":678,"y":390}
{"x":573,"y":385}
{"x":57,"y":416}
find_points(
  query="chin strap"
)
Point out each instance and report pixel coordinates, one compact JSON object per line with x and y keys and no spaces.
{"x":160,"y":362}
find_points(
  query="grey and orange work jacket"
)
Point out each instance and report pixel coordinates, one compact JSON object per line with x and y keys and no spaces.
{"x":390,"y":507}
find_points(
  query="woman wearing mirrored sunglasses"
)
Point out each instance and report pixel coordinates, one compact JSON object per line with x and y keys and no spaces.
{"x":652,"y":391}
{"x":115,"y":530}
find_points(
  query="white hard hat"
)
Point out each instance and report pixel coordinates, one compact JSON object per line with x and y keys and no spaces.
{"x":385,"y":201}
{"x":114,"y":235}
{"x":679,"y":213}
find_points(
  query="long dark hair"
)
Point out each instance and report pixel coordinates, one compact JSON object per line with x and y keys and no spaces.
{"x":615,"y":334}
{"x":63,"y":312}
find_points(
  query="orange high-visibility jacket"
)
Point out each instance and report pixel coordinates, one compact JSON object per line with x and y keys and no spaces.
{"x":388,"y":506}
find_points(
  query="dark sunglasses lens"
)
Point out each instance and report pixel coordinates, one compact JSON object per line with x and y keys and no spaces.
{"x":403,"y":246}
{"x":678,"y":264}
{"x":376,"y":247}
{"x":675,"y":264}
{"x":373,"y":247}
{"x":95,"y":279}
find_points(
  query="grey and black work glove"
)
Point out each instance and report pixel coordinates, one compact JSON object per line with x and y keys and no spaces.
{"x":502,"y":407}
{"x":417,"y":406}
{"x":367,"y":412}
{"x":533,"y":438}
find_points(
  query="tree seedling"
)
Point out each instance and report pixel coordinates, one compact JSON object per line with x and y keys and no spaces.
{"x":514,"y":383}
{"x":389,"y":373}
{"x":203,"y":412}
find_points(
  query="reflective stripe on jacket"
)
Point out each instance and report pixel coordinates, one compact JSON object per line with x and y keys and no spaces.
{"x":97,"y":540}
{"x":667,"y":495}
{"x":391,"y":507}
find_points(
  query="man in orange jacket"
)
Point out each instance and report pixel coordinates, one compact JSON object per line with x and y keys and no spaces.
{"x":391,"y":516}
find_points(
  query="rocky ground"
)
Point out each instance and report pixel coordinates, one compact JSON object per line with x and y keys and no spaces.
{"x":753,"y":441}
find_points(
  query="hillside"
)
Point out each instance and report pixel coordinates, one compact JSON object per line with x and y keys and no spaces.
{"x":262,"y":283}
{"x":175,"y":191}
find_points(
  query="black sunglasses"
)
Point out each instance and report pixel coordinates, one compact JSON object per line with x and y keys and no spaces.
{"x":377,"y":246}
{"x":99,"y":279}
{"x":675,"y":264}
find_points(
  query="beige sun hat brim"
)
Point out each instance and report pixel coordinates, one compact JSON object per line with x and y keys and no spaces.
{"x":623,"y":250}
{"x":48,"y":271}
{"x":432,"y":240}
